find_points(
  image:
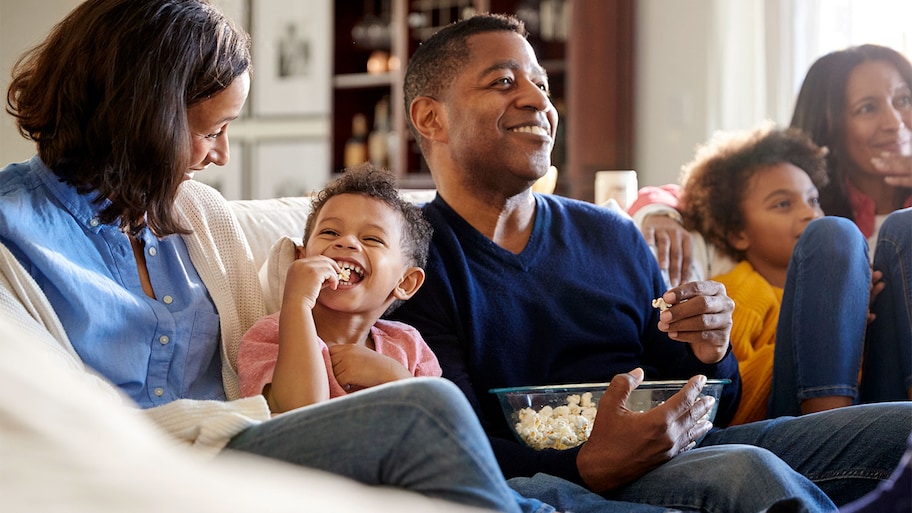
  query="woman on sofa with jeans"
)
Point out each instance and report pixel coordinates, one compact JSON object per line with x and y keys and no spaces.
{"x":123,"y":265}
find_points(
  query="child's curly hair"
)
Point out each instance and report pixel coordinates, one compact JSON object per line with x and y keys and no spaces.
{"x":715,"y":181}
{"x":381,"y":185}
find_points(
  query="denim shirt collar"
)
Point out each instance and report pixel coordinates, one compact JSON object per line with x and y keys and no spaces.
{"x":80,"y":206}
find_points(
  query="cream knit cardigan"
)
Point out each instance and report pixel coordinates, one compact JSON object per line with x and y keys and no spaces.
{"x":222,"y":257}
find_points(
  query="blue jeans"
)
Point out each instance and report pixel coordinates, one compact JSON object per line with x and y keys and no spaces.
{"x":846,"y":452}
{"x":819,"y":461}
{"x":729,"y":479}
{"x":888,"y":352}
{"x":823,"y":317}
{"x":421,"y":435}
{"x":571,"y":497}
{"x":417,"y":434}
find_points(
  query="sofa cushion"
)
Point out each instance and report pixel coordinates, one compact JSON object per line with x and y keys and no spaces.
{"x":275,"y":269}
{"x":265,"y":221}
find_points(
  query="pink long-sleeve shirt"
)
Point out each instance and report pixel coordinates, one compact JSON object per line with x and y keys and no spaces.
{"x":260,"y":349}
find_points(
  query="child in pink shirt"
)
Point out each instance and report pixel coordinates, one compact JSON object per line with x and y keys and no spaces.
{"x":363,"y":253}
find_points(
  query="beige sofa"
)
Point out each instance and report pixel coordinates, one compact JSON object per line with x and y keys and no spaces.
{"x":70,"y":445}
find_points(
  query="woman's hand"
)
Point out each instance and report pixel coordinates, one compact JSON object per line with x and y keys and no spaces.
{"x":896,"y":169}
{"x":673,"y":246}
{"x":701,"y":315}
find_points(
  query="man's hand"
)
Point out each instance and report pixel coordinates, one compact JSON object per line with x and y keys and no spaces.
{"x":673,"y":246}
{"x":895,"y":168}
{"x":624,"y":445}
{"x":701,"y":315}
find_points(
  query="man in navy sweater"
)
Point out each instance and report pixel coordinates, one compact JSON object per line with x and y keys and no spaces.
{"x":528,"y":289}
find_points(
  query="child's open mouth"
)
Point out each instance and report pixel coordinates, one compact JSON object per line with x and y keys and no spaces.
{"x":350,"y":273}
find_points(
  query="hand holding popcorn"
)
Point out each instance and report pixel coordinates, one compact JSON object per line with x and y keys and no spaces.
{"x":701,"y":315}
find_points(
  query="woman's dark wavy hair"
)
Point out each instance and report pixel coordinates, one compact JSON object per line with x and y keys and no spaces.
{"x":437,"y":60}
{"x":105,"y":98}
{"x":820,"y":113}
{"x":713,"y":184}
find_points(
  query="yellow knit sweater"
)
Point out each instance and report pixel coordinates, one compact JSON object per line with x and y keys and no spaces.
{"x":753,"y":336}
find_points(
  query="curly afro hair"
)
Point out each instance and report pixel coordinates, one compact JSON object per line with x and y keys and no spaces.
{"x":715,"y":181}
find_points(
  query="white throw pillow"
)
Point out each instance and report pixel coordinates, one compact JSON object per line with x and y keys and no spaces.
{"x":275,"y":269}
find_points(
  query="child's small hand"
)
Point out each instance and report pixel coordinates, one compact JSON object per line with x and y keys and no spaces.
{"x":357,"y":367}
{"x":308,"y":276}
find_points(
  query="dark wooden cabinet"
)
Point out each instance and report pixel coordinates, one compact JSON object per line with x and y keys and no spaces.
{"x":589,"y":59}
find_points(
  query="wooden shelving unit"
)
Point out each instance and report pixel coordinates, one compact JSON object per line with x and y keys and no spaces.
{"x":590,"y":69}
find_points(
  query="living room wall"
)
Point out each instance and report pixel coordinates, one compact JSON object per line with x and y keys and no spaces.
{"x":672,"y":48}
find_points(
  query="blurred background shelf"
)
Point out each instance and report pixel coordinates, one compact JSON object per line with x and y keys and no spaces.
{"x":590,"y":74}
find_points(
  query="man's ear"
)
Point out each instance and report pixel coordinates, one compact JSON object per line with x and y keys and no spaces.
{"x":411,"y":281}
{"x":428,"y":118}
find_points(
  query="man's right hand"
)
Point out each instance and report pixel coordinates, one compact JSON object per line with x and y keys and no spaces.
{"x":673,"y":245}
{"x":624,"y":445}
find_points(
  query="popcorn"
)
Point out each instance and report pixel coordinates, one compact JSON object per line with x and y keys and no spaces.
{"x":347,"y":269}
{"x":660,"y":304}
{"x":561,"y":427}
{"x":345,"y":274}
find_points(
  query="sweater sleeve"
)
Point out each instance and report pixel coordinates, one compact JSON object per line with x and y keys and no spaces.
{"x":753,"y":338}
{"x":405,"y":344}
{"x":667,"y":195}
{"x":219,"y":251}
{"x":208,"y":425}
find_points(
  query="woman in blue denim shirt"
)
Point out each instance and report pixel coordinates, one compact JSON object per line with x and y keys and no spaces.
{"x":149,"y":274}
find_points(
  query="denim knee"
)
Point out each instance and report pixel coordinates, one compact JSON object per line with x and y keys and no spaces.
{"x":438,"y":395}
{"x":896,"y":227}
{"x":766,"y":472}
{"x":833,"y":236}
{"x":727,"y":477}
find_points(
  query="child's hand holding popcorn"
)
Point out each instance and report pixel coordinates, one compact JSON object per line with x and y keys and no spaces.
{"x":308,"y":276}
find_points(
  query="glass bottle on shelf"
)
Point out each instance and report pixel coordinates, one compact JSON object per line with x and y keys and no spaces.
{"x":378,"y":139}
{"x":355,"y":152}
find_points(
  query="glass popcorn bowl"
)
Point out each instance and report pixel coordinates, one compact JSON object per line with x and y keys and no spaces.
{"x":561,"y":416}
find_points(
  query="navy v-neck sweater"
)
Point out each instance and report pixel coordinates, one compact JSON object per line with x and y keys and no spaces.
{"x":574,"y":306}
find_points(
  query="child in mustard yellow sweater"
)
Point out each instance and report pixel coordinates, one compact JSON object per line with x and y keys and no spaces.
{"x":803,"y":281}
